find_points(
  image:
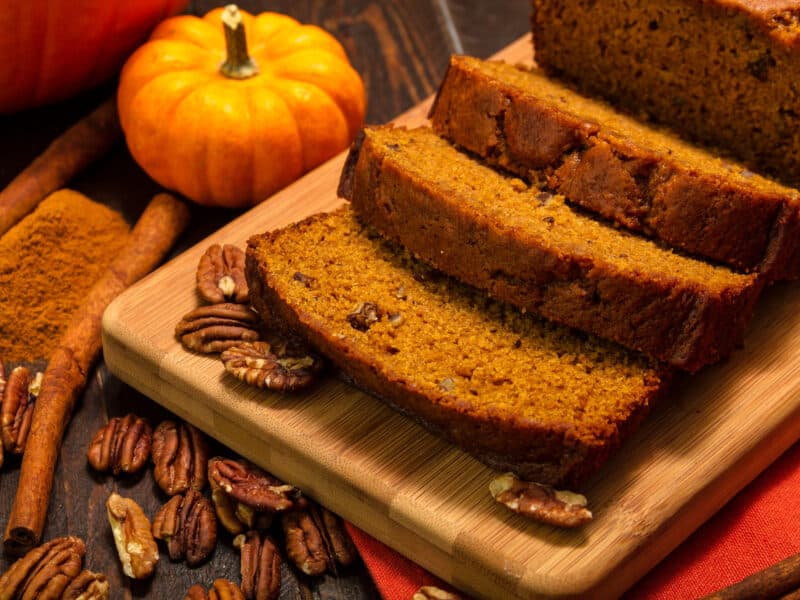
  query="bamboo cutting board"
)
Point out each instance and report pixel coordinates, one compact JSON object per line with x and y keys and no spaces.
{"x":429,"y":500}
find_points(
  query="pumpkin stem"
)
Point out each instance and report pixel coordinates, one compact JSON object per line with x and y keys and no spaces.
{"x":238,"y":63}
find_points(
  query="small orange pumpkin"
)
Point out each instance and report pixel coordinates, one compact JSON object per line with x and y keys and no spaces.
{"x":229,"y":129}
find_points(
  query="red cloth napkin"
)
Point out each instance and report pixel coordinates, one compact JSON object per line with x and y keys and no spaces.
{"x":757,"y":528}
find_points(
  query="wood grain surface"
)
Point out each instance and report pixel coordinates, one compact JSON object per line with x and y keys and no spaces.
{"x":401,"y":49}
{"x":429,"y":500}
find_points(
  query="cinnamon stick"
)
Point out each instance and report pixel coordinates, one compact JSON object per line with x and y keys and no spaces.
{"x":775,"y":581}
{"x":75,"y":149}
{"x":65,"y":377}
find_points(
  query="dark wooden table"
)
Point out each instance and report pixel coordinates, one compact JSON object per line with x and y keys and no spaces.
{"x":400,"y":48}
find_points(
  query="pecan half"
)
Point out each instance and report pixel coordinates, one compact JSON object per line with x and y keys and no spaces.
{"x":305,"y":546}
{"x":44,"y":572}
{"x":316,"y":541}
{"x":87,"y":586}
{"x":260,"y":566}
{"x":220,"y":275}
{"x":307,"y":280}
{"x":340,"y":544}
{"x":215,"y":328}
{"x":122,"y":446}
{"x":188,"y":525}
{"x":364,"y":316}
{"x":244,"y":482}
{"x":136,"y":547}
{"x":540,"y":502}
{"x":21,"y":390}
{"x":180,"y":457}
{"x":278,"y":367}
{"x":430,"y":592}
{"x":222,"y":589}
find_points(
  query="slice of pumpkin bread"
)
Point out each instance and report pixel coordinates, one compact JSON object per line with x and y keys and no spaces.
{"x":517,"y":392}
{"x":642,"y":177}
{"x":723,"y":72}
{"x":530,"y":248}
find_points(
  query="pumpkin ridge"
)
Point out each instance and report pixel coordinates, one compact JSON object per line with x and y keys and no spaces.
{"x":191,"y":55}
{"x":262,"y":54}
{"x":190,"y":30}
{"x":288,"y":41}
{"x":296,"y":135}
{"x":253,"y":160}
{"x":351,"y":104}
{"x":128,"y":96}
{"x":201,"y":159}
{"x":163,"y":120}
{"x":163,"y":57}
{"x":312,"y":145}
{"x":267,"y":25}
{"x":200,"y":78}
{"x":219,"y":184}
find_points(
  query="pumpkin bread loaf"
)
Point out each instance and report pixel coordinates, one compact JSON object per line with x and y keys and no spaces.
{"x":644,"y":178}
{"x":723,"y":72}
{"x":528,"y":247}
{"x":517,"y":392}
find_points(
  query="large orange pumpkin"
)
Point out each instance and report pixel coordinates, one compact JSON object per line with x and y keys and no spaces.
{"x":51,"y":49}
{"x":228,"y":128}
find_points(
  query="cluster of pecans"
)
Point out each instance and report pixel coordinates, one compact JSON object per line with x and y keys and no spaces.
{"x":247,"y":501}
{"x":227,"y":325}
{"x":18,"y":393}
{"x":250,"y":503}
{"x":186,"y":523}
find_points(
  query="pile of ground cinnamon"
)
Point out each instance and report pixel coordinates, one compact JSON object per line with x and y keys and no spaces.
{"x":48,"y":263}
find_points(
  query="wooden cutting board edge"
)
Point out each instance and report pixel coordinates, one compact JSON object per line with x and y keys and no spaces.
{"x":459,"y":559}
{"x":134,"y":361}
